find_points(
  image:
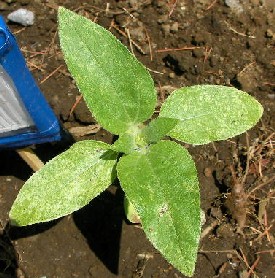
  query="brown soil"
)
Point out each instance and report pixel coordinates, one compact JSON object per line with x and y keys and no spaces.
{"x":185,"y":43}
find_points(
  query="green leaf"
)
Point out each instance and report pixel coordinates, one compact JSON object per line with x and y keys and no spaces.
{"x":130,"y":212}
{"x":157,"y":129}
{"x":163,"y":187}
{"x":129,"y":141}
{"x":140,"y":136}
{"x":209,"y":113}
{"x":124,"y":144}
{"x":65,"y":184}
{"x":117,"y":88}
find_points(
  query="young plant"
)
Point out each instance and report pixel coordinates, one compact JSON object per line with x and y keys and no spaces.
{"x":158,"y":176}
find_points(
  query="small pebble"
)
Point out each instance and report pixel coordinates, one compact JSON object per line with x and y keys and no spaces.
{"x":255,"y":2}
{"x":216,"y":212}
{"x":270,"y":33}
{"x":234,"y":5}
{"x":20,"y":273}
{"x":175,"y":27}
{"x":161,"y":3}
{"x":134,"y":4}
{"x":3,"y":6}
{"x":172,"y":75}
{"x":166,"y":29}
{"x":162,"y":18}
{"x":208,"y":172}
{"x":271,"y":96}
{"x":22,"y":16}
{"x":225,"y":230}
{"x":269,"y":4}
{"x":25,"y":2}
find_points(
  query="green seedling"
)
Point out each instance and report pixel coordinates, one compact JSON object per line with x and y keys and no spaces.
{"x":158,"y":175}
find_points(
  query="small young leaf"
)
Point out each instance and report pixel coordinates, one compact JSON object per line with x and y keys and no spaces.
{"x":141,"y":136}
{"x":65,"y":184}
{"x":130,"y":140}
{"x":124,"y":144}
{"x":117,"y":88}
{"x":163,"y":187}
{"x":208,"y":113}
{"x":157,"y":129}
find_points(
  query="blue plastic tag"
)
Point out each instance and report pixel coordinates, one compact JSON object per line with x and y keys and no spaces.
{"x":25,"y":116}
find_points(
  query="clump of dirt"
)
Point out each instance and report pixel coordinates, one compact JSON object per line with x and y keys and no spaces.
{"x":182,"y":43}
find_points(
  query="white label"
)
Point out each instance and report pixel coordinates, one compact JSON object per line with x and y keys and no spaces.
{"x":14,"y":117}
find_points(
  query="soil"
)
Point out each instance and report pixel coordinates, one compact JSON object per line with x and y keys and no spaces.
{"x":183,"y":43}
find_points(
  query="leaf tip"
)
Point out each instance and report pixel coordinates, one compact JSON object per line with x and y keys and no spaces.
{"x":61,"y":9}
{"x":62,"y":13}
{"x":13,"y":220}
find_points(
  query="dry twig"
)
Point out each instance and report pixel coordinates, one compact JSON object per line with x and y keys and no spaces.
{"x":80,"y":131}
{"x":30,"y":158}
{"x":51,"y":74}
{"x":173,"y":4}
{"x":177,"y":49}
{"x":149,"y":44}
{"x":238,"y":200}
{"x":78,"y":99}
{"x":139,"y":48}
{"x":236,"y":32}
{"x":261,"y":185}
{"x":252,"y":268}
{"x":211,"y":5}
{"x":209,"y":228}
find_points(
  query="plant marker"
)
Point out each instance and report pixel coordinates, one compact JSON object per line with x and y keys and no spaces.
{"x":25,"y":116}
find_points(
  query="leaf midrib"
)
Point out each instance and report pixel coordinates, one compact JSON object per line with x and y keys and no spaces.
{"x":169,"y":205}
{"x":110,"y":80}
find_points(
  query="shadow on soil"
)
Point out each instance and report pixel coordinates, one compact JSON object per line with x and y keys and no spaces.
{"x":101,"y":224}
{"x":8,"y":256}
{"x":11,"y":164}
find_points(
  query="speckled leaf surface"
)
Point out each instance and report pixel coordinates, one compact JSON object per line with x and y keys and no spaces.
{"x":130,"y":140}
{"x":141,"y":136}
{"x":65,"y":184}
{"x":116,"y":87}
{"x":124,"y":144}
{"x":163,"y":187}
{"x":210,"y":113}
{"x":157,"y":129}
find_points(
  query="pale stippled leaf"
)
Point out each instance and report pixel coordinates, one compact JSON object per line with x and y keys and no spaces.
{"x":124,"y":144}
{"x":162,"y":185}
{"x":65,"y":184}
{"x":116,"y":87}
{"x":141,"y":136}
{"x":129,"y":141}
{"x":209,"y":113}
{"x":157,"y":129}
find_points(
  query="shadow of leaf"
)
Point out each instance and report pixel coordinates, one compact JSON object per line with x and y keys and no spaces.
{"x":8,"y":256}
{"x":101,"y":223}
{"x":16,"y":233}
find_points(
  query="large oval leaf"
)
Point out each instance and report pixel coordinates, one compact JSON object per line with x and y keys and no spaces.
{"x":65,"y":184}
{"x":162,"y":185}
{"x":116,"y":87}
{"x":209,"y":112}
